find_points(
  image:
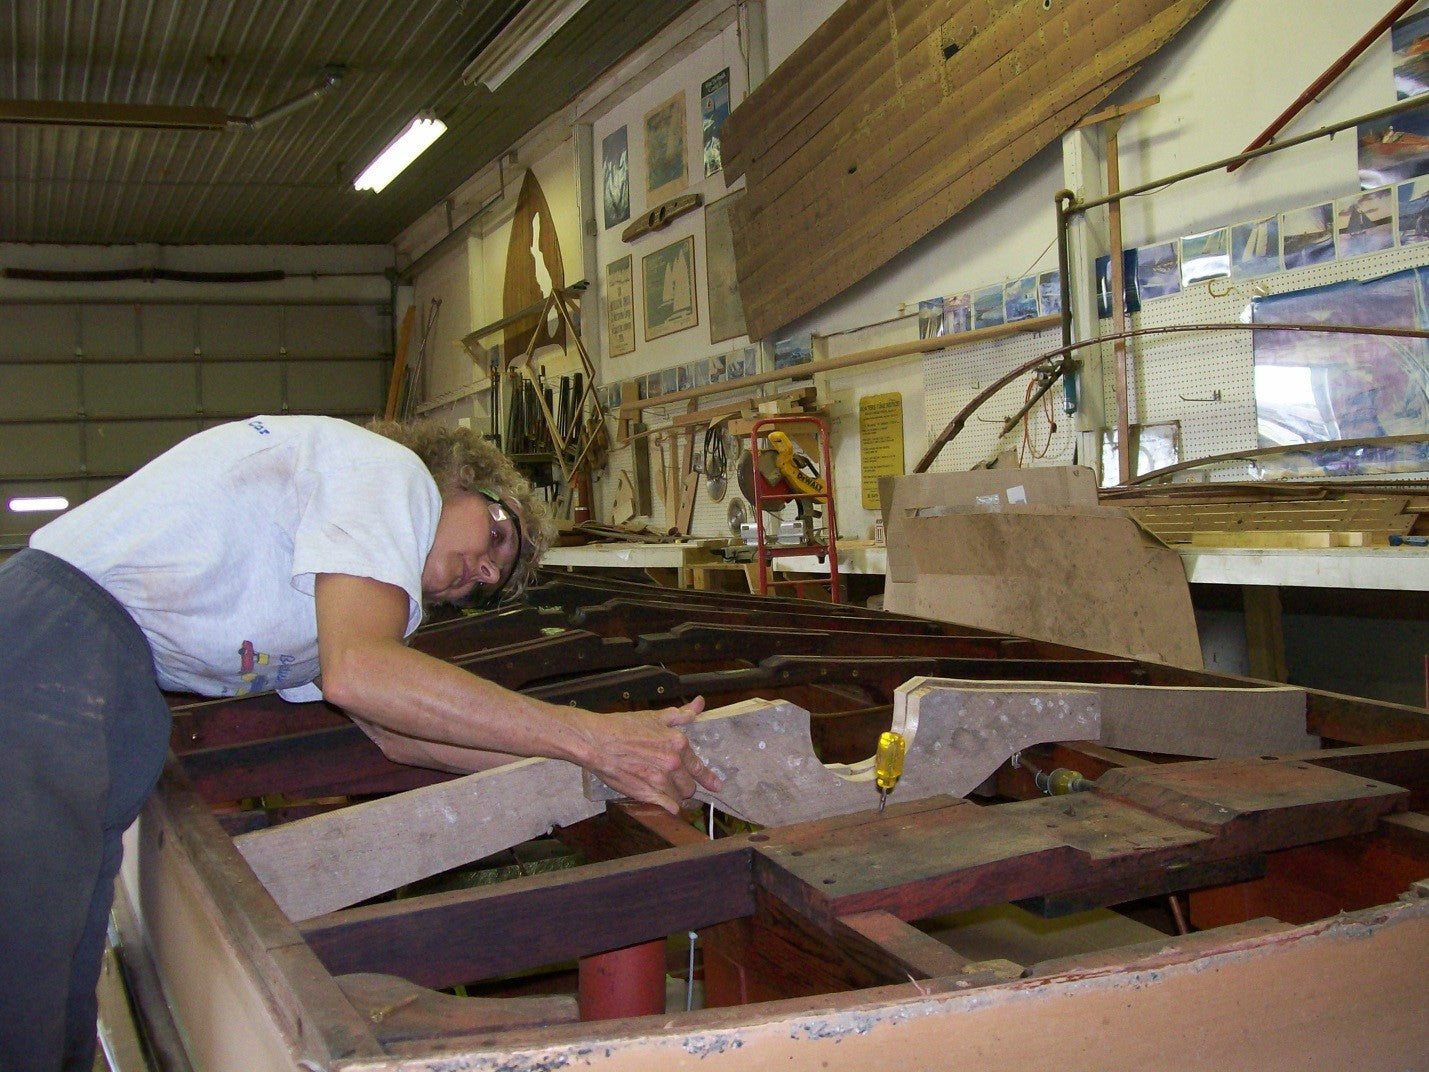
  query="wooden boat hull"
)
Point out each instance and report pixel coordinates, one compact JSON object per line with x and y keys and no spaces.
{"x":892,"y":118}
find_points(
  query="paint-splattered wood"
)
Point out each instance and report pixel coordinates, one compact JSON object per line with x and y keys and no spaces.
{"x":892,"y":118}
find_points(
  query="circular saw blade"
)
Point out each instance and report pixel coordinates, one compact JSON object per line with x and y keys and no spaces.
{"x":737,"y":514}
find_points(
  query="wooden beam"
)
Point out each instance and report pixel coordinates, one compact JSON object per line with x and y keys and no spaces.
{"x":445,"y":939}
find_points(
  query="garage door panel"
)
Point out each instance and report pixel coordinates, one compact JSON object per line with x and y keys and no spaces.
{"x":109,"y":331}
{"x":43,"y":332}
{"x":40,"y":450}
{"x":246,"y":387}
{"x":30,"y":390}
{"x":336,"y":386}
{"x":336,"y":331}
{"x":253,"y":331}
{"x":167,"y":332}
{"x":158,"y":389}
{"x":124,"y":446}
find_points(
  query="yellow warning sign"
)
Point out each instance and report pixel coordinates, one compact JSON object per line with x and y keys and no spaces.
{"x":880,"y":433}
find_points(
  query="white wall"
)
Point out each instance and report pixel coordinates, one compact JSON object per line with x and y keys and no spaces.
{"x":1229,"y":73}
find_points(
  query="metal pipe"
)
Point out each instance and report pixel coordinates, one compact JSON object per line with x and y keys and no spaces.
{"x":623,"y":982}
{"x":1063,"y":199}
{"x":1299,"y":139}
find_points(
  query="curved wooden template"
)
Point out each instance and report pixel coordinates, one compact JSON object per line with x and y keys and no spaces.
{"x":522,"y":287}
{"x":761,"y":749}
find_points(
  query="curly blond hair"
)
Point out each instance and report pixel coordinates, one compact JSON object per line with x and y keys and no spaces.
{"x":461,"y":460}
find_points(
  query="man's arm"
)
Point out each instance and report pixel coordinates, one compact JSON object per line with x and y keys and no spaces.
{"x":369,"y":672}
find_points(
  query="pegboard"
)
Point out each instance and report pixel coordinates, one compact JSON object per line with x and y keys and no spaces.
{"x":1203,"y":381}
{"x":1206,"y":380}
{"x":952,"y":378}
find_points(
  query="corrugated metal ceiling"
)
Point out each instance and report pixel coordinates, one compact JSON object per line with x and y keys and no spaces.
{"x":291,"y":180}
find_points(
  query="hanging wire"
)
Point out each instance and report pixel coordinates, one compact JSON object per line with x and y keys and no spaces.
{"x":1048,"y":415}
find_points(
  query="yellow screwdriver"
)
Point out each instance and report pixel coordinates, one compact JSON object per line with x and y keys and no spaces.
{"x":888,"y":765}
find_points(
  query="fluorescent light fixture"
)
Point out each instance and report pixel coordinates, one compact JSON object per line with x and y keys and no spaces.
{"x":39,"y":504}
{"x":534,"y":25}
{"x":401,"y":151}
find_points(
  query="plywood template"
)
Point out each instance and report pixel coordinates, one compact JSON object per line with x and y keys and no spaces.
{"x":533,"y":233}
{"x":892,"y":118}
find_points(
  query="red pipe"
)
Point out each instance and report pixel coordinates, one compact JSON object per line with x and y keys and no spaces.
{"x":623,"y":982}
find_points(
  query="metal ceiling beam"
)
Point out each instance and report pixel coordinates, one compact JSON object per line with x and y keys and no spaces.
{"x":159,"y":116}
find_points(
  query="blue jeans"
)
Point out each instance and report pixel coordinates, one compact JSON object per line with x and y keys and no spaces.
{"x":83,"y":736}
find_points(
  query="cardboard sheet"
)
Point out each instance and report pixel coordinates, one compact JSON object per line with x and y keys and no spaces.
{"x":1055,"y":566}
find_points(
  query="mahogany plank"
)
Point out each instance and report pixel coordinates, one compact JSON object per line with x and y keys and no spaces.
{"x":453,"y":938}
{"x":322,"y":762}
{"x":1138,"y":821}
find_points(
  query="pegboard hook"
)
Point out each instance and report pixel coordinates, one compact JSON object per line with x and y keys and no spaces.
{"x":1215,"y":397}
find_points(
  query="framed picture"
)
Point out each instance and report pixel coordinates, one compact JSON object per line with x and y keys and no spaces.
{"x":615,"y":170}
{"x":665,"y":170}
{"x":620,"y":306}
{"x":726,"y":309}
{"x":669,"y":285}
{"x":714,"y":110}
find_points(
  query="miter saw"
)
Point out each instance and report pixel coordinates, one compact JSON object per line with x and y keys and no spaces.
{"x":779,"y":475}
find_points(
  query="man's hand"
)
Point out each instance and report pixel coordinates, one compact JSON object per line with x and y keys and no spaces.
{"x":645,"y":756}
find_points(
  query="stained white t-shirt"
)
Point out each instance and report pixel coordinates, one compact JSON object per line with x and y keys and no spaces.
{"x":213,"y":546}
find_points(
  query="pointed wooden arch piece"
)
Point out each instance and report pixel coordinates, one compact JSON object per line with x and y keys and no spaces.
{"x":533,"y":267}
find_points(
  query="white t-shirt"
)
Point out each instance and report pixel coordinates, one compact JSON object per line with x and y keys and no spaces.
{"x":214,"y":545}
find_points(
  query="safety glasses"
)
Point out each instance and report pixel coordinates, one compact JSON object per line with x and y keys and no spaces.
{"x":510,"y":554}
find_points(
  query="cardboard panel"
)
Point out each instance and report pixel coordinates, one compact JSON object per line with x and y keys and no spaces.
{"x":1086,"y":577}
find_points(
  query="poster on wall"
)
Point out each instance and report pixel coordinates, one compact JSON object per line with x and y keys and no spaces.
{"x":1394,"y":149}
{"x":987,"y":306}
{"x":615,"y":164}
{"x":1158,"y":272}
{"x":669,"y":286}
{"x":1414,"y":212}
{"x":620,"y":306}
{"x":1019,"y":299}
{"x":1311,"y":387}
{"x":1409,"y":38}
{"x":1255,"y":248}
{"x":880,"y":439}
{"x":795,"y":350}
{"x":1364,"y":224}
{"x":714,"y":110}
{"x":1308,"y":236}
{"x":665,"y":173}
{"x":1205,"y":256}
{"x":726,"y":308}
{"x":1049,"y":293}
{"x":930,"y":318}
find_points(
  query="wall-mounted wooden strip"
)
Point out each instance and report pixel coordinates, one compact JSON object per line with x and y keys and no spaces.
{"x":892,"y":118}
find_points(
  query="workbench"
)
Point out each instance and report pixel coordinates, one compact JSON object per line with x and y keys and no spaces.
{"x":1403,"y":569}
